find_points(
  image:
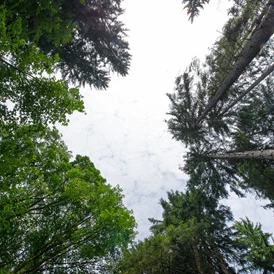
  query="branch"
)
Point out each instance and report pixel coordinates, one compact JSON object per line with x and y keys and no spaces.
{"x":261,"y":78}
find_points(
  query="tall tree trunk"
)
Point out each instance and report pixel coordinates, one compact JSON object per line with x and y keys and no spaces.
{"x":220,"y":259}
{"x":267,"y":154}
{"x":197,"y":257}
{"x":252,"y":86}
{"x":252,"y":48}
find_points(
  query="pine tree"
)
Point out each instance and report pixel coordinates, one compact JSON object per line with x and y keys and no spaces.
{"x":196,"y":227}
{"x":198,"y":113}
{"x":260,"y":36}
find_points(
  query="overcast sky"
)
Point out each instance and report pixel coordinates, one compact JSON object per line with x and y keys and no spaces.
{"x":124,"y":132}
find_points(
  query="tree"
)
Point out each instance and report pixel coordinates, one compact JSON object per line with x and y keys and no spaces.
{"x":214,"y":173}
{"x":198,"y":232}
{"x":201,"y":110}
{"x":29,"y":94}
{"x":230,"y":128}
{"x":267,"y":154}
{"x":37,"y":100}
{"x":198,"y":236}
{"x":56,"y":215}
{"x":87,"y":37}
{"x":259,"y":253}
{"x":249,"y":89}
{"x":187,"y":105}
{"x":250,"y":51}
{"x":210,"y":175}
{"x":84,"y":40}
{"x":149,"y":256}
{"x":99,"y":45}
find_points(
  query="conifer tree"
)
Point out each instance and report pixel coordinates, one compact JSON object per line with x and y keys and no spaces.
{"x":192,"y":238}
{"x":211,"y":113}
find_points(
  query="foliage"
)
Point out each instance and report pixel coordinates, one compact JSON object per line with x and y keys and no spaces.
{"x":36,"y":100}
{"x":98,"y":46}
{"x":229,"y":69}
{"x":234,"y":123}
{"x":193,"y":6}
{"x":259,"y":253}
{"x":84,"y":40}
{"x":191,"y":238}
{"x":57,"y":215}
{"x":86,"y":36}
{"x":186,"y":105}
{"x":150,"y":256}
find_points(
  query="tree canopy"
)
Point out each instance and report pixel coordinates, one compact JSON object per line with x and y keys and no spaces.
{"x":57,"y":215}
{"x":84,"y":41}
{"x":85,"y":37}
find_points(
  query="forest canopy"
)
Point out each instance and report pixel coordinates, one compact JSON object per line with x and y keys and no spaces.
{"x":59,"y":215}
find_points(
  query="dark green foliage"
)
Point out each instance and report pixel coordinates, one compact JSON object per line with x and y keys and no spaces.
{"x":98,"y":46}
{"x":193,"y":7}
{"x":151,"y":256}
{"x":187,"y":103}
{"x":211,"y":176}
{"x":247,"y":125}
{"x":87,"y":36}
{"x":191,"y":238}
{"x":231,"y":66}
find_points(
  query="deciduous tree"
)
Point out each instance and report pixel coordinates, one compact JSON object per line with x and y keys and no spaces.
{"x":57,"y":215}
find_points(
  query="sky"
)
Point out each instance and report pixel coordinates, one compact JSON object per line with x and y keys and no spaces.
{"x":124,"y":131}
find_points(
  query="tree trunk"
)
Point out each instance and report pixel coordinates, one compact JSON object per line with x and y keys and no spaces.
{"x":197,"y":257}
{"x":252,"y":48}
{"x":267,"y":154}
{"x":220,"y":259}
{"x":261,"y":78}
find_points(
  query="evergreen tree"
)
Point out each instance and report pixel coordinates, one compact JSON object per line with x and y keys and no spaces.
{"x":241,"y":122}
{"x":195,"y":222}
{"x":198,"y":111}
{"x":192,"y":238}
{"x":260,"y":36}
